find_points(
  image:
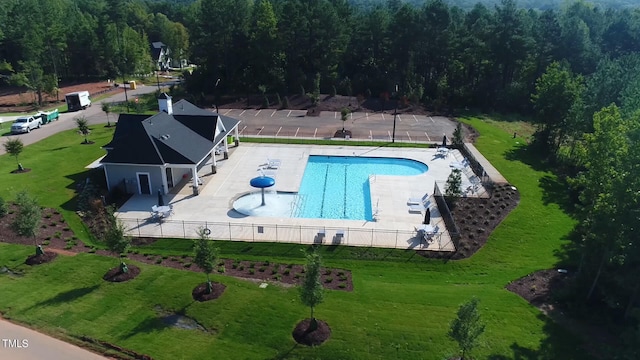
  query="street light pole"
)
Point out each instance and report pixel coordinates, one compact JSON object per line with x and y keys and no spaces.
{"x":215,"y":93}
{"x":126,"y":98}
{"x":158,"y":80}
{"x":395,"y":115}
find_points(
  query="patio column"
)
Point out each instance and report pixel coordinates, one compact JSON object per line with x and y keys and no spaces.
{"x":214,"y":167}
{"x":236,"y":136}
{"x":165,"y":185}
{"x":226,"y":149}
{"x":194,"y":170}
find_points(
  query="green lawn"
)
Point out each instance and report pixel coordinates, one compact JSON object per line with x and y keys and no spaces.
{"x":401,"y":305}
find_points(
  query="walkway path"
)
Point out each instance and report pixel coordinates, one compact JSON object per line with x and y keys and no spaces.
{"x":37,"y":346}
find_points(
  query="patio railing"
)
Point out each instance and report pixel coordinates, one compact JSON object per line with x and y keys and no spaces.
{"x":297,"y":234}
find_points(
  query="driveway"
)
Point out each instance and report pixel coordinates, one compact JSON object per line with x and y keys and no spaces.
{"x":36,"y":346}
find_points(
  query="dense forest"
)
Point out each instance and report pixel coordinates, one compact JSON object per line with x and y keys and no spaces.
{"x":574,"y":70}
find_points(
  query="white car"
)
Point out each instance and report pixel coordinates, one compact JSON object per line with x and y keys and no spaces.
{"x":25,"y":124}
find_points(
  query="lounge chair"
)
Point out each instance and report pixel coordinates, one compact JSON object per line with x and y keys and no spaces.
{"x":273,"y":163}
{"x":459,"y":165}
{"x":416,"y":208}
{"x":417,"y":201}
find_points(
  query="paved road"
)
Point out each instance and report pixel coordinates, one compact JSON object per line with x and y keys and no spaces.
{"x":37,"y":346}
{"x":93,"y":114}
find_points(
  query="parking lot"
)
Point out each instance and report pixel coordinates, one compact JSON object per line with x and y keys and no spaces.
{"x":363,"y":125}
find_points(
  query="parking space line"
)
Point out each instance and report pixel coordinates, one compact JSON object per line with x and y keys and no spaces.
{"x":258,"y":112}
{"x":259,"y":131}
{"x":296,"y":134}
{"x":228,"y":111}
{"x":370,"y":135}
{"x":351,"y":114}
{"x":390,"y":138}
{"x":242,"y":112}
{"x":335,"y":114}
{"x":315,"y":132}
{"x":243,"y":129}
{"x":367,"y":115}
{"x":278,"y":131}
{"x":289,"y":113}
{"x":433,"y":121}
{"x":415,"y":118}
{"x":382,"y":115}
{"x":427,"y":135}
{"x":274,"y":112}
{"x":409,"y":136}
{"x":399,"y":119}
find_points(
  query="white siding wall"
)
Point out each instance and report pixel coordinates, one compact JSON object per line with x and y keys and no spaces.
{"x":118,"y":173}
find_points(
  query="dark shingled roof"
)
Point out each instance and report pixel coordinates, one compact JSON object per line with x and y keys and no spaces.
{"x":185,"y":137}
{"x":156,"y":47}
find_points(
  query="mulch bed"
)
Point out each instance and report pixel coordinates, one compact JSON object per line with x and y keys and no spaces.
{"x":302,"y":336}
{"x":538,"y":287}
{"x":199,"y":293}
{"x":265,"y":271}
{"x":115,"y":275}
{"x":55,"y":235}
{"x":41,"y":259}
{"x":476,"y":219}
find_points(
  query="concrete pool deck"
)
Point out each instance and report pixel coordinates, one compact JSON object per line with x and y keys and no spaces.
{"x":394,"y":225}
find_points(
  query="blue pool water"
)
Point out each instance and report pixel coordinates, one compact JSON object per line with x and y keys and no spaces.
{"x":337,"y":187}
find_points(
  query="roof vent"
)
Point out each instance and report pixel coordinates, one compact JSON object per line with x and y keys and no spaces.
{"x":165,"y":136}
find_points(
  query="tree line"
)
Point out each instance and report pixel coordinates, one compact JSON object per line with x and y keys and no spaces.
{"x":43,"y":43}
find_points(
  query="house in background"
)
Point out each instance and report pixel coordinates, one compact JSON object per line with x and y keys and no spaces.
{"x":148,"y":153}
{"x":160,"y":55}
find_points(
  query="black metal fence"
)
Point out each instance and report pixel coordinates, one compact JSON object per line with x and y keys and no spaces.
{"x":447,"y":217}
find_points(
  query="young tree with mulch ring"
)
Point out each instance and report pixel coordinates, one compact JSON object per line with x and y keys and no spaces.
{"x":27,"y":223}
{"x":206,"y":257}
{"x":83,"y":128}
{"x":118,"y":243}
{"x":466,"y":328}
{"x":311,"y":331}
{"x":14,"y":148}
{"x":106,"y":108}
{"x":458,"y":139}
{"x":453,"y":191}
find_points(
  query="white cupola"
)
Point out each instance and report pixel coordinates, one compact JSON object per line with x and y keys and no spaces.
{"x":164,"y":103}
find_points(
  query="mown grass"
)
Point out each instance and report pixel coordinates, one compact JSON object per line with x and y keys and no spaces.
{"x":57,"y":165}
{"x":401,"y":305}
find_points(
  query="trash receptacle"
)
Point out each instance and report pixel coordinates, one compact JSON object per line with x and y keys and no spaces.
{"x":132,"y":85}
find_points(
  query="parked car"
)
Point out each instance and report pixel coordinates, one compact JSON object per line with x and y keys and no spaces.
{"x":25,"y":124}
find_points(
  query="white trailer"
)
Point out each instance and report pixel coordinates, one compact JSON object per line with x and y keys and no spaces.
{"x":78,"y":100}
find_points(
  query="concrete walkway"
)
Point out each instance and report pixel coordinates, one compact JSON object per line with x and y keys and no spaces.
{"x":37,"y":346}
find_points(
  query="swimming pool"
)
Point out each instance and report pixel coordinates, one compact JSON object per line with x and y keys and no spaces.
{"x":337,"y":187}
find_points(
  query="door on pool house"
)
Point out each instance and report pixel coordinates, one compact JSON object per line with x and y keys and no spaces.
{"x":169,"y":175}
{"x":144,"y":183}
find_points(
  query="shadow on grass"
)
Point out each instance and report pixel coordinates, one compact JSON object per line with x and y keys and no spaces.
{"x":559,"y":343}
{"x":147,"y":326}
{"x":286,"y":354}
{"x":67,"y":296}
{"x":554,"y":189}
{"x":79,"y":180}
